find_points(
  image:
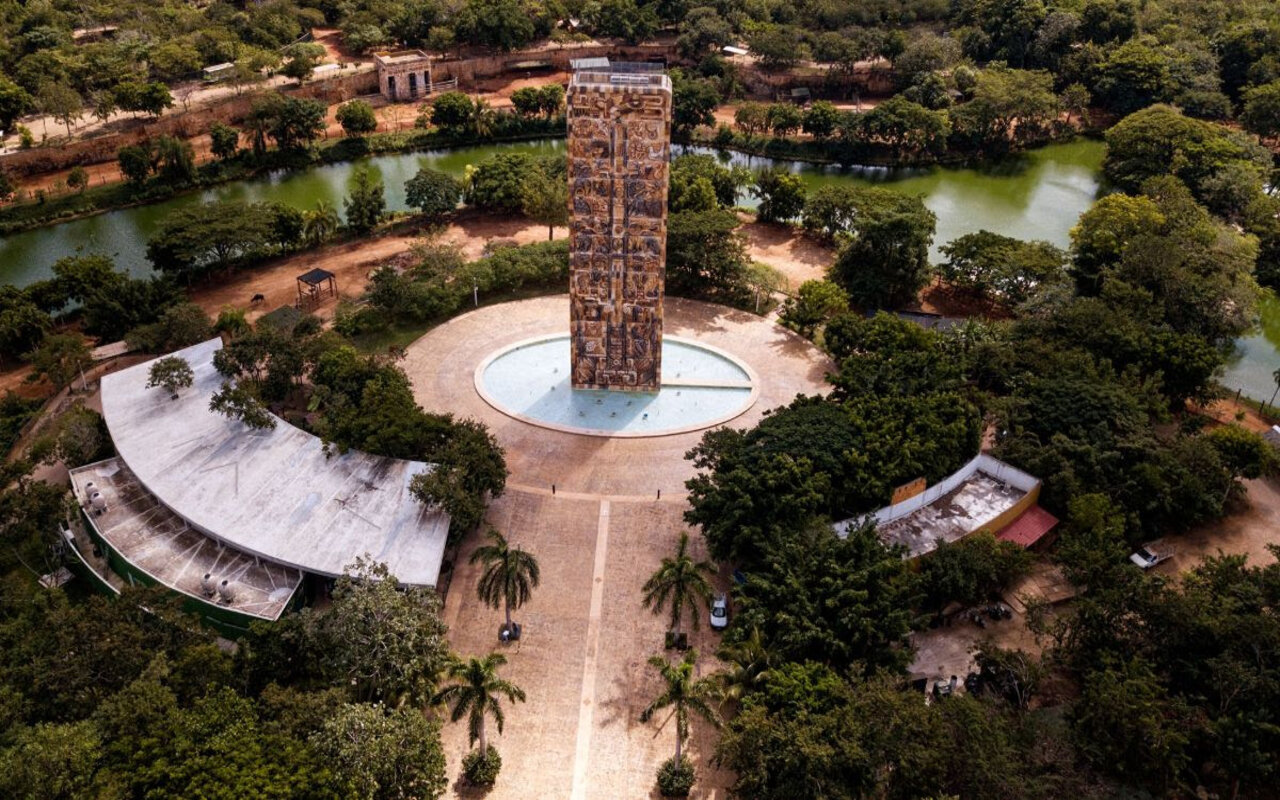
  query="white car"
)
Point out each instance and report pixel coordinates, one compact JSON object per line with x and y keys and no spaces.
{"x":1149,"y":555}
{"x":720,"y":612}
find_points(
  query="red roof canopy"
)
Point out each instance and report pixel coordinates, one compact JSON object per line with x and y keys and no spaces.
{"x":1030,"y":526}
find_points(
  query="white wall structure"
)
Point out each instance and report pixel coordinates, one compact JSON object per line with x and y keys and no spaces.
{"x":1022,"y":484}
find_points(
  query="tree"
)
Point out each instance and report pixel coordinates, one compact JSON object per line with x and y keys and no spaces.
{"x":820,"y":119}
{"x":61,"y":102}
{"x":1008,"y":107}
{"x":908,"y":129}
{"x":365,"y":204}
{"x":383,"y":640}
{"x":1000,"y":268}
{"x":1128,"y":721}
{"x":224,"y":141}
{"x":433,"y":193}
{"x":1099,"y":238}
{"x":22,"y":322}
{"x":622,"y":19}
{"x":232,"y":323}
{"x":51,"y":760}
{"x":477,"y":692}
{"x":293,"y":122}
{"x":683,"y":694}
{"x":60,"y":357}
{"x":972,"y":570}
{"x":14,"y":103}
{"x":383,"y":754}
{"x":237,"y":402}
{"x":451,"y":111}
{"x":1160,"y":140}
{"x":784,"y":118}
{"x":304,"y":57}
{"x":78,"y":179}
{"x":887,"y":259}
{"x":170,"y":373}
{"x":497,"y":184}
{"x":1134,"y":75}
{"x":706,"y":256}
{"x":356,"y":118}
{"x":815,"y":303}
{"x":681,"y":583}
{"x":510,"y":575}
{"x":778,"y":47}
{"x":551,"y":99}
{"x":751,"y":117}
{"x":693,"y":101}
{"x":781,"y":194}
{"x":319,"y":223}
{"x":176,"y":159}
{"x":527,"y":101}
{"x":1261,"y":113}
{"x":546,"y":200}
{"x":209,"y":236}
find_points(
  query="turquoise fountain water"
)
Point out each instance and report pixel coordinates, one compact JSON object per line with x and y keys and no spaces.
{"x":701,"y":387}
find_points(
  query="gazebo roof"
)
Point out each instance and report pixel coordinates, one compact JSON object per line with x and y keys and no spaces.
{"x":316,"y":276}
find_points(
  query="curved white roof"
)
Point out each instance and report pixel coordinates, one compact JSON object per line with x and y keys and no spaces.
{"x":270,"y":493}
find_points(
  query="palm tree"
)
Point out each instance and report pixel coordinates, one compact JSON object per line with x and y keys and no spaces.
{"x":748,"y":665}
{"x":683,"y":582}
{"x":320,"y":224}
{"x":510,"y":574}
{"x":683,"y":694}
{"x":481,"y":118}
{"x":476,"y":691}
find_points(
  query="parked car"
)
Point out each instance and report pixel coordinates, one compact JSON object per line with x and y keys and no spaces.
{"x":720,"y":612}
{"x":1151,"y":554}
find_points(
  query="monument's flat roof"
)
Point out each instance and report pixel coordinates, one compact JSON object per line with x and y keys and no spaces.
{"x":598,"y":73}
{"x":270,"y":493}
{"x":161,"y":544}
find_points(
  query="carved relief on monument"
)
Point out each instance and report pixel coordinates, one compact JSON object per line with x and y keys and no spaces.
{"x":619,"y":142}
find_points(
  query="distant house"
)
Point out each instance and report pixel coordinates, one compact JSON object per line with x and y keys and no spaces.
{"x":404,"y":74}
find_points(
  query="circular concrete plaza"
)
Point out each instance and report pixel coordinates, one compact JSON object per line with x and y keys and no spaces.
{"x":448,"y":363}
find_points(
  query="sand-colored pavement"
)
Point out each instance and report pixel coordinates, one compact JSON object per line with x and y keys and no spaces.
{"x":586,"y":638}
{"x":442,"y":366}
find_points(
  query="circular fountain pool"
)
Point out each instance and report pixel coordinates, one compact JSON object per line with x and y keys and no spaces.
{"x":701,"y":387}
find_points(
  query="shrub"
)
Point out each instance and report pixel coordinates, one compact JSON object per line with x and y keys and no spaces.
{"x":675,"y":779}
{"x":482,"y":770}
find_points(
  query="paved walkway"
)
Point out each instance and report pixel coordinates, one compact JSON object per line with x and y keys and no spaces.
{"x":582,"y":659}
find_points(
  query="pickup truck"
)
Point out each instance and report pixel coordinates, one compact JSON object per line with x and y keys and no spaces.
{"x":1151,"y":554}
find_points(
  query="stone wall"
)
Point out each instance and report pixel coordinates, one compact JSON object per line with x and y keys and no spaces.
{"x":619,"y":149}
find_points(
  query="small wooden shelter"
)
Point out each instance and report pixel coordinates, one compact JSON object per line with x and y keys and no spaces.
{"x":314,"y":286}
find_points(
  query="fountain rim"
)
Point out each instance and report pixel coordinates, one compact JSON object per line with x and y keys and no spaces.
{"x":747,"y":405}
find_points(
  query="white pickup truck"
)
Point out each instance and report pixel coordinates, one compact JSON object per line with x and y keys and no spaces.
{"x":1151,"y":554}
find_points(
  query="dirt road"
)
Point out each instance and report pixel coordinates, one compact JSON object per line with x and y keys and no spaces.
{"x":353,"y":262}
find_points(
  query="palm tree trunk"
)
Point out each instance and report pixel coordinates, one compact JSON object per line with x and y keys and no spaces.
{"x":484,"y":740}
{"x":551,"y":232}
{"x":678,"y":741}
{"x":507,"y":603}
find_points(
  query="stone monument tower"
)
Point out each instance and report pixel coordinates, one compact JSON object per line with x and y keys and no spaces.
{"x":619,"y":157}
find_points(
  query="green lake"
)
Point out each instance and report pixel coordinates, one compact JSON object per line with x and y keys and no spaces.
{"x":1036,"y":195}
